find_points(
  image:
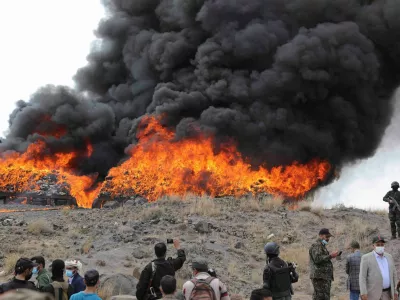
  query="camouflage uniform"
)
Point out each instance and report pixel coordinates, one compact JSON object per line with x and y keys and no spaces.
{"x":394,"y":213}
{"x":321,"y":271}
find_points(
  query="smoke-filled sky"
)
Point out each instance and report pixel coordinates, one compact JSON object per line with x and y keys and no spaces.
{"x":42,"y":42}
{"x":288,"y":80}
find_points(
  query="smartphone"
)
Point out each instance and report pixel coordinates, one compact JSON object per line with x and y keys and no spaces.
{"x":340,"y":253}
{"x":170,"y":241}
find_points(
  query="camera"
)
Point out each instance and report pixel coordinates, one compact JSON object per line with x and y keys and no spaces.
{"x":170,"y":241}
{"x":212,"y":273}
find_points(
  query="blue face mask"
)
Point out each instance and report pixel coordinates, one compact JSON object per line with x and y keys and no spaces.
{"x":324,"y":242}
{"x":69,"y":273}
{"x":35,"y":270}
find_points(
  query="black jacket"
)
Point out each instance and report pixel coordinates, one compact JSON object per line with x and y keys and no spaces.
{"x":163,"y":267}
{"x":16,"y":284}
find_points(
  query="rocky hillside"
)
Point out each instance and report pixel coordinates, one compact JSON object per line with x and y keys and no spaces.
{"x":229,"y":232}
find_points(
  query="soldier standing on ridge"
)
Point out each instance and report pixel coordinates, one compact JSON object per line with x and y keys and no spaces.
{"x":394,"y":212}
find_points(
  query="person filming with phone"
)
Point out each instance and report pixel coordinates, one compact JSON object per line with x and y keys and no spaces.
{"x":321,"y":267}
{"x":148,"y":287}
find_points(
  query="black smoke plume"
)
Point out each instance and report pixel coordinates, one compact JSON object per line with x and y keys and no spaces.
{"x":287,"y":79}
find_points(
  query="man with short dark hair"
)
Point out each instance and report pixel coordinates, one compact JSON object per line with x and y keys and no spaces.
{"x":201,"y":275}
{"x":148,"y":287}
{"x":43,"y":276}
{"x":23,"y":272}
{"x":321,"y":267}
{"x":353,"y":270}
{"x":91,"y":280}
{"x":261,"y":294}
{"x":168,"y":287}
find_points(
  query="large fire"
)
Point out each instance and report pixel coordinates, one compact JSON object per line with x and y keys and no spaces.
{"x":21,"y":172}
{"x":159,"y":165}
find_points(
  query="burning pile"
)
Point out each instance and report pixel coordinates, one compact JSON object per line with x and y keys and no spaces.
{"x":160,"y":166}
{"x":218,"y":97}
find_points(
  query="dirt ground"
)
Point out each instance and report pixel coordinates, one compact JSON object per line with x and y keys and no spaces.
{"x":230,"y":233}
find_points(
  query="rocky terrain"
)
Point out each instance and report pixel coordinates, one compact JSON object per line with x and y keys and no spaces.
{"x":229,"y":232}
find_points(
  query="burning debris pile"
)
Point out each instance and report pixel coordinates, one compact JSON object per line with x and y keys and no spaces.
{"x":214,"y":97}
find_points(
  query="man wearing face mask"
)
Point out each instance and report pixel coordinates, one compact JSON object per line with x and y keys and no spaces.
{"x":394,"y":212}
{"x":43,"y":276}
{"x":321,"y":267}
{"x":73,"y":268}
{"x":378,"y":276}
{"x":23,"y":272}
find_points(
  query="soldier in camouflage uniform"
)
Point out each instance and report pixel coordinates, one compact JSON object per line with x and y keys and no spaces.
{"x":321,"y":267}
{"x":394,"y":213}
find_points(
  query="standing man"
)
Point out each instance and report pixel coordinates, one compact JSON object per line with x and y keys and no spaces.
{"x":23,"y":272}
{"x":321,"y":267}
{"x":394,"y":212}
{"x":148,"y":287}
{"x":353,"y":270}
{"x":278,"y":274}
{"x":43,"y":276}
{"x":204,"y":284}
{"x":378,"y":277}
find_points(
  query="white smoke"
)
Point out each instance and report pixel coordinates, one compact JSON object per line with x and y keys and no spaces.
{"x":364,"y":183}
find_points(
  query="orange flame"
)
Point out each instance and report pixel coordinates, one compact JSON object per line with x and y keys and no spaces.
{"x":20,"y":172}
{"x":160,"y":166}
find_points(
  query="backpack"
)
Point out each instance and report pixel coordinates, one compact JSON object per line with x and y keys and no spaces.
{"x":60,"y":290}
{"x":281,"y":280}
{"x":202,"y":289}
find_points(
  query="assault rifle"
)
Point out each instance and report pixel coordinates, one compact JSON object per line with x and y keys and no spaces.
{"x":394,"y":202}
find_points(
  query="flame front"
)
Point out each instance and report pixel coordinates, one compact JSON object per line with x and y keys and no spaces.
{"x":21,"y":172}
{"x":160,"y":166}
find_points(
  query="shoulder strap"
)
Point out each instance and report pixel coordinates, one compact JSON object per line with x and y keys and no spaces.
{"x":209,"y":279}
{"x":153,"y":273}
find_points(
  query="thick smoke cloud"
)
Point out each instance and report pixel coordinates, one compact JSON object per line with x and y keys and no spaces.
{"x":288,"y":80}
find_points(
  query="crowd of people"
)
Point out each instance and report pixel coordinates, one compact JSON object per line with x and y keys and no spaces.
{"x":371,"y":276}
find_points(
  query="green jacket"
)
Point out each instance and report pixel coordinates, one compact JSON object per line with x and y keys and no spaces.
{"x":43,"y":278}
{"x":321,"y":266}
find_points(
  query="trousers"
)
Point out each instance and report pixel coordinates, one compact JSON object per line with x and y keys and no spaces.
{"x":322,"y":289}
{"x":394,"y":218}
{"x":354,"y":295}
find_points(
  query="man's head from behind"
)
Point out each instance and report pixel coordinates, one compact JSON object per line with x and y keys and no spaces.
{"x":57,"y":269}
{"x":168,"y":285}
{"x":23,"y":268}
{"x":92,"y":278}
{"x":260,"y":294}
{"x":354,"y":246}
{"x":199,"y":265}
{"x":160,"y":250}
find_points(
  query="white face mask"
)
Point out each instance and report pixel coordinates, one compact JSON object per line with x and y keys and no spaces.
{"x":380,"y":250}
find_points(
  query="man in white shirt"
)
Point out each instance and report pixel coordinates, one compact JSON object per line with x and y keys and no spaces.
{"x":378,"y":275}
{"x":202,"y":277}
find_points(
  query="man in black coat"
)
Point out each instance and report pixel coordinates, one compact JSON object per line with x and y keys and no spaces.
{"x":148,"y":287}
{"x":23,"y":272}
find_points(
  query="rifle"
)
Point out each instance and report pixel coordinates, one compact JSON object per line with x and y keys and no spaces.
{"x":394,"y":202}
